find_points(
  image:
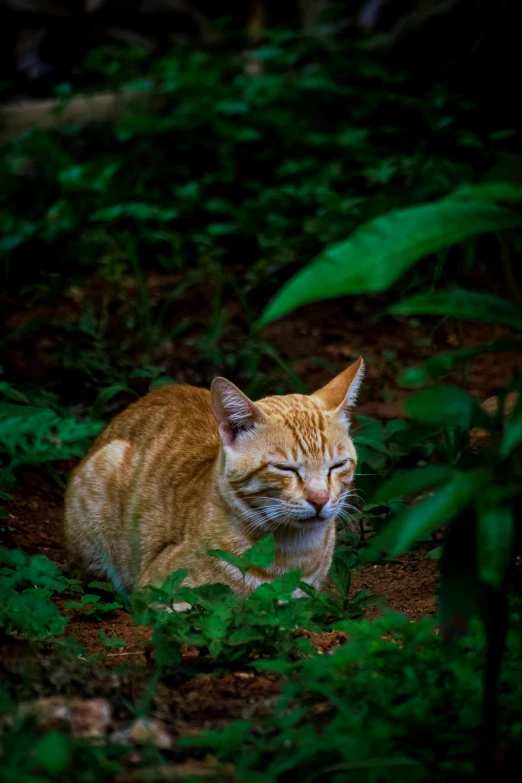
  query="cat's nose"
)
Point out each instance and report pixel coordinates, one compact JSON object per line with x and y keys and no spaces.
{"x":318,"y":499}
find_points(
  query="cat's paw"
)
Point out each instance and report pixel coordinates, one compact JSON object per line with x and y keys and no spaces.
{"x":298,"y":593}
{"x":182,"y":606}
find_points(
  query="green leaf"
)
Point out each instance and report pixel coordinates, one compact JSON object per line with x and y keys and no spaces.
{"x":111,"y":642}
{"x":459,"y":303}
{"x":110,"y":607}
{"x":513,"y":430}
{"x":107,"y":394}
{"x":135,"y":210}
{"x":490,"y":191}
{"x":107,"y":586}
{"x":174,"y":580}
{"x":90,"y":599}
{"x":435,"y":553}
{"x":12,"y":394}
{"x":442,"y":363}
{"x":341,"y":576}
{"x":371,"y":443}
{"x":411,"y":481}
{"x":262,"y":554}
{"x":53,"y":752}
{"x":244,"y":636}
{"x":495,"y":537}
{"x":227,"y":557}
{"x":381,"y":250}
{"x":10,"y":411}
{"x":439,"y":508}
{"x":446,"y":406}
{"x":215,"y":628}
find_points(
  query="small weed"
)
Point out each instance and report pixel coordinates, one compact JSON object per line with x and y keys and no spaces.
{"x":30,"y":435}
{"x":93,"y":605}
{"x":27,"y":585}
{"x":232,"y":629}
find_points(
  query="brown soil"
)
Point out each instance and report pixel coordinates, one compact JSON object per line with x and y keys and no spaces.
{"x":317,"y":340}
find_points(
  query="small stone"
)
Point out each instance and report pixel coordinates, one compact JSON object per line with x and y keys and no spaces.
{"x":144,"y":731}
{"x":480,"y":438}
{"x":50,"y":713}
{"x":90,"y":717}
{"x":86,"y":718}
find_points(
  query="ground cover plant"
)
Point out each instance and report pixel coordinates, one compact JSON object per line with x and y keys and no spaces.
{"x":211,"y":229}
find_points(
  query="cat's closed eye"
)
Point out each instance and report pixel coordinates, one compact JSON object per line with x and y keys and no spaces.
{"x":284,"y":468}
{"x":338,"y":466}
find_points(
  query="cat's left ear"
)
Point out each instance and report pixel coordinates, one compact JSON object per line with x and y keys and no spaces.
{"x":234,"y":412}
{"x":342,"y":392}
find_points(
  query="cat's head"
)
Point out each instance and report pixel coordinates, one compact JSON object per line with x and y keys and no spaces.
{"x":290,"y":457}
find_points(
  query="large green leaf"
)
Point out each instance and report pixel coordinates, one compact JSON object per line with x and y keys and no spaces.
{"x":382,"y":249}
{"x":494,"y":544}
{"x":446,"y":406}
{"x":425,"y":517}
{"x":490,"y":191}
{"x":459,"y":303}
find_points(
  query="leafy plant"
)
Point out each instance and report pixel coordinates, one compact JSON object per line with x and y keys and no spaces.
{"x":31,"y":436}
{"x":349,"y":714}
{"x":384,"y":248}
{"x":232,"y":629}
{"x":27,"y":585}
{"x":55,"y":755}
{"x":269,"y":169}
{"x":91,"y":604}
{"x":480,"y":503}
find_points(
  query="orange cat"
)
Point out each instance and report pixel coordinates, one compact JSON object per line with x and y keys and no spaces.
{"x":183,"y":471}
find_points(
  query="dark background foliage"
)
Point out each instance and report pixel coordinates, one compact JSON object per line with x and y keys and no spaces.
{"x":264,"y":191}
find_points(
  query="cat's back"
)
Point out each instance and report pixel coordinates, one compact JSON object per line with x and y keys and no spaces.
{"x":164,"y":440}
{"x":178,"y":414}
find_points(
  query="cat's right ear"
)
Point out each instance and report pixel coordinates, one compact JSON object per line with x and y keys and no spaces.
{"x":234,"y":412}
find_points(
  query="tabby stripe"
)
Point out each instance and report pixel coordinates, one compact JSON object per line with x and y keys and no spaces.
{"x":295,"y":432}
{"x":248,"y":476}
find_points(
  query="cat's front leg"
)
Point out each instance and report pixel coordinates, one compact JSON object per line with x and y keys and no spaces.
{"x":171,"y":559}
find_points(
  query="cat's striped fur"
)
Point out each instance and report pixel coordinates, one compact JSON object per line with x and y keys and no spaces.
{"x":183,"y":471}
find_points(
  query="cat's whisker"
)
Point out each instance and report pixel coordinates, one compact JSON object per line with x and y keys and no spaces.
{"x":347,"y":520}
